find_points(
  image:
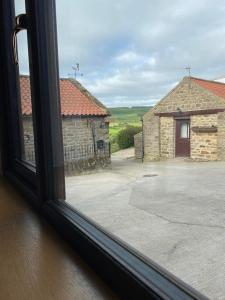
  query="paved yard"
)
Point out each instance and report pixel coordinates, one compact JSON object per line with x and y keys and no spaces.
{"x":173,"y":212}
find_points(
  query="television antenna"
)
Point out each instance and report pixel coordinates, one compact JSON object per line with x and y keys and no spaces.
{"x":188,"y":69}
{"x":76,"y":71}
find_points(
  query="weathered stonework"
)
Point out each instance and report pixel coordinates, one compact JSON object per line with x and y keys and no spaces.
{"x":151,"y":141}
{"x":80,"y":141}
{"x":159,"y":131}
{"x":83,"y":131}
{"x":138,"y":145}
{"x":204,"y":145}
{"x":87,"y":165}
{"x":28,"y":135}
{"x":167,"y":139}
{"x":221,"y":136}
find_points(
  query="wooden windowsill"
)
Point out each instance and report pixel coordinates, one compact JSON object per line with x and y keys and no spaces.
{"x":35,"y":262}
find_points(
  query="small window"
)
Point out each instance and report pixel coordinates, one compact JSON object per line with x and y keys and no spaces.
{"x":102,"y":125}
{"x":184,"y":131}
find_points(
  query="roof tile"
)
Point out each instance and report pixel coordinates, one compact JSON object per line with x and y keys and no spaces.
{"x":217,"y":88}
{"x":75,"y":100}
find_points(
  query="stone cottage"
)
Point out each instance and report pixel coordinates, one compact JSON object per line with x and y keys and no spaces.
{"x":84,"y":123}
{"x":188,"y":122}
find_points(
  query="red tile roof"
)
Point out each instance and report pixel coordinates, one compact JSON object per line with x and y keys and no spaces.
{"x":217,"y":88}
{"x":75,"y":99}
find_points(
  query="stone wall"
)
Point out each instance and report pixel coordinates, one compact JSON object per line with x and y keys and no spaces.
{"x":76,"y":167}
{"x":81,"y":137}
{"x":82,"y":131}
{"x":204,"y":145}
{"x":138,"y":145}
{"x":186,"y":96}
{"x":189,"y":96}
{"x":151,"y":138}
{"x":167,"y":139}
{"x":28,"y":135}
{"x":221,"y":136}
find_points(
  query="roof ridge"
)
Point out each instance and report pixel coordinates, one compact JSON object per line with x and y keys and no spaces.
{"x":207,"y":80}
{"x":85,"y":104}
{"x":214,"y":87}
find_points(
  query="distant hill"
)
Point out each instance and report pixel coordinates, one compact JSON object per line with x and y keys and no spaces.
{"x":128,"y":114}
{"x":121,"y":117}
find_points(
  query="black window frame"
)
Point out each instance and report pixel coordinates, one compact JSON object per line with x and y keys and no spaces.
{"x":10,"y":114}
{"x":130,"y":274}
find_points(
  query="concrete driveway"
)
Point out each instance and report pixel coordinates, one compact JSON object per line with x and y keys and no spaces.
{"x":172,"y":212}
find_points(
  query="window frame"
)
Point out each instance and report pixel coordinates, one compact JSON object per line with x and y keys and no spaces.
{"x":10,"y":104}
{"x":129,"y":273}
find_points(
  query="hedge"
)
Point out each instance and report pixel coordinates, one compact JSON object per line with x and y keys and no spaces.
{"x":125,"y":137}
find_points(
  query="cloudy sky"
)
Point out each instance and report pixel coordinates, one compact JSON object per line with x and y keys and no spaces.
{"x":133,"y":52}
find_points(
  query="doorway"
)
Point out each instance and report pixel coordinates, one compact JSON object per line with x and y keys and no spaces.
{"x":182,"y":138}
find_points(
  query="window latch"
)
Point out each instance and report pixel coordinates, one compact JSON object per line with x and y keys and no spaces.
{"x":20,"y":24}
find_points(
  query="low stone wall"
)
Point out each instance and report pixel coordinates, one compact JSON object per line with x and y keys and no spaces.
{"x":138,"y":145}
{"x":82,"y":166}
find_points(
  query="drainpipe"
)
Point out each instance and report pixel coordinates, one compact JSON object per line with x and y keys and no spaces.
{"x":93,"y":137}
{"x":142,"y":141}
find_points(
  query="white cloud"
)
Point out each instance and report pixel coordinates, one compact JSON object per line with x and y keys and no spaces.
{"x":134,"y":51}
{"x":128,"y":57}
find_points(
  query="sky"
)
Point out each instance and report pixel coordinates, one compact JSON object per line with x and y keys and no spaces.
{"x":133,"y":53}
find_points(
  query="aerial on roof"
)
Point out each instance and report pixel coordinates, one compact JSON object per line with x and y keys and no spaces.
{"x":217,"y":88}
{"x":75,"y":99}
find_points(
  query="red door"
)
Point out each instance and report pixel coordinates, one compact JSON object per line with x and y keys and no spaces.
{"x":183,"y":138}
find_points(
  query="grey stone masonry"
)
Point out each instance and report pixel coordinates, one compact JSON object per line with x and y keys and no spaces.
{"x":138,"y":145}
{"x":159,"y":130}
{"x":85,"y":140}
{"x":83,"y":131}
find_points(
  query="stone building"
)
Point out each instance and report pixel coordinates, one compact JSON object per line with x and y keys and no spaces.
{"x":188,"y":122}
{"x":84,"y":123}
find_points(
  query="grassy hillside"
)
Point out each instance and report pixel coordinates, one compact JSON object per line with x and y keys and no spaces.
{"x":127,"y":114}
{"x":122,"y":117}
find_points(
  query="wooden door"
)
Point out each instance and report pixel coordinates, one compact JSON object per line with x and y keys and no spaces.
{"x":183,"y":138}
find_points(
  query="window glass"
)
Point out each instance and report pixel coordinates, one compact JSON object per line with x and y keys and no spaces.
{"x":25,"y":105}
{"x":120,"y":66}
{"x":19,"y":7}
{"x":184,"y":130}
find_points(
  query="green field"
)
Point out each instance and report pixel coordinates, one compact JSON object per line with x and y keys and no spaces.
{"x":121,"y":117}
